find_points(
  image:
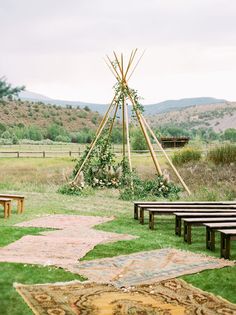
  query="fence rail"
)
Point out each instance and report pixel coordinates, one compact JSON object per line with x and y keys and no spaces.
{"x":54,"y":154}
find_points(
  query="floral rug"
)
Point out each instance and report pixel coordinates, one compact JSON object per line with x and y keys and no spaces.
{"x":147,"y":267}
{"x":170,"y":297}
{"x":63,"y":247}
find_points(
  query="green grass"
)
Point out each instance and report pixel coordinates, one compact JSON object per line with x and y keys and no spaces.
{"x":105,"y":203}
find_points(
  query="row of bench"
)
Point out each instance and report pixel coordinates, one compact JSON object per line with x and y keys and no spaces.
{"x":6,"y":202}
{"x":215,"y":216}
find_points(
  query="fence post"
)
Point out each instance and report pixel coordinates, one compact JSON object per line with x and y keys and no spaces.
{"x":18,"y":154}
{"x":44,"y":154}
{"x":69,"y":153}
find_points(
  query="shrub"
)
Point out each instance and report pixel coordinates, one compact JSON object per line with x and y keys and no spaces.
{"x":224,"y":154}
{"x":151,"y":189}
{"x":230,"y":134}
{"x":186,"y":155}
{"x":61,"y":138}
{"x":6,"y":135}
{"x":138,"y":141}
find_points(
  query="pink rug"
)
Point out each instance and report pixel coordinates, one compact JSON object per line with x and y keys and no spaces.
{"x":63,"y":247}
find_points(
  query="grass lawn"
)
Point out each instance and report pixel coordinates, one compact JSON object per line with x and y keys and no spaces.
{"x":105,"y":203}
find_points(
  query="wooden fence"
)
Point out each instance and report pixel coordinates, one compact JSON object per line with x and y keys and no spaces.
{"x":75,"y":154}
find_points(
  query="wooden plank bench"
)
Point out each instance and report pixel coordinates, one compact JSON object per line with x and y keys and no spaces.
{"x":6,"y":203}
{"x":180,"y":215}
{"x":189,"y":222}
{"x":20,"y":201}
{"x":211,"y":228}
{"x":226,"y":237}
{"x":175,"y":208}
{"x":161,"y":211}
{"x":153,"y":204}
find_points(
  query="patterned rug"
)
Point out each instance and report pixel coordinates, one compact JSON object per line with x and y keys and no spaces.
{"x":171,"y":297}
{"x":146,"y":267}
{"x":63,"y":247}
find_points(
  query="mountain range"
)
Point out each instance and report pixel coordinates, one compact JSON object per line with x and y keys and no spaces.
{"x":152,"y":109}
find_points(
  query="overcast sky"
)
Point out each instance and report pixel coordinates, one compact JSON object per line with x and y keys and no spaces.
{"x":56,"y":47}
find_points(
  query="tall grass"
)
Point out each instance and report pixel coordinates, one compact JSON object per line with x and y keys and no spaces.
{"x":185,"y":155}
{"x":224,"y":154}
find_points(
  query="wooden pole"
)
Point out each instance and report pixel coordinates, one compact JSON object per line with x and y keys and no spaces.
{"x":150,"y":147}
{"x":104,"y":121}
{"x":113,"y":121}
{"x":133,"y":53}
{"x":168,"y":159}
{"x":157,"y":166}
{"x":128,"y":143}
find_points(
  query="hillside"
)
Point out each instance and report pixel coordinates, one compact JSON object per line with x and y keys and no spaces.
{"x":218,"y":116}
{"x":41,"y":115}
{"x":152,"y":109}
{"x":172,"y":105}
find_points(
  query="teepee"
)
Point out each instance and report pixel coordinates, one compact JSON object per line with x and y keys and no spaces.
{"x":124,"y":95}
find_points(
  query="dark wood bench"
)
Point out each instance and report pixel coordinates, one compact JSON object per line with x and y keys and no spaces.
{"x":226,"y":237}
{"x":153,"y":204}
{"x":180,"y":215}
{"x":211,"y":228}
{"x":160,"y":211}
{"x":6,"y":203}
{"x":189,"y":222}
{"x":20,"y":201}
{"x":164,"y":211}
{"x":174,"y":208}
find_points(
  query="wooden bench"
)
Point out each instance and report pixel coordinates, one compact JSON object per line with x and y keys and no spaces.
{"x":189,"y":222}
{"x":180,"y":215}
{"x":20,"y":201}
{"x":211,"y":228}
{"x":153,"y":204}
{"x":6,"y":203}
{"x":226,"y":237}
{"x":163,"y":211}
{"x":174,"y":208}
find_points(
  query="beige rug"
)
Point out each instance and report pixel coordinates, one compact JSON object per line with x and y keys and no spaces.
{"x":74,"y":238}
{"x":171,"y":297}
{"x":147,"y":267}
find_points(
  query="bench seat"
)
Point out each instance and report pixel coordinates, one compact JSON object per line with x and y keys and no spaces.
{"x":154,"y":204}
{"x":20,"y":201}
{"x":6,"y":203}
{"x":173,"y":208}
{"x":189,"y":222}
{"x":181,"y":215}
{"x":211,"y":228}
{"x":161,"y":211}
{"x":226,"y":237}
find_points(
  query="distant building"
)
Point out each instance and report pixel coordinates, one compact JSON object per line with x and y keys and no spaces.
{"x":174,"y":142}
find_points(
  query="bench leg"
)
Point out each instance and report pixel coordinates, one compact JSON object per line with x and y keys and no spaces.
{"x":178,"y":226}
{"x":6,"y":210}
{"x":151,"y":220}
{"x":187,"y":233}
{"x":136,"y":212}
{"x":141,"y":218}
{"x":210,"y":239}
{"x":225,"y":246}
{"x":22,"y":205}
{"x":9,"y":209}
{"x":18,"y":206}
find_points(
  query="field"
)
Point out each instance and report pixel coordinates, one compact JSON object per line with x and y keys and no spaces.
{"x":38,"y":179}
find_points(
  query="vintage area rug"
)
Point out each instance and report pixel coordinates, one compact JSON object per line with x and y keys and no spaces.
{"x":63,"y":247}
{"x":147,"y":267}
{"x":171,"y":297}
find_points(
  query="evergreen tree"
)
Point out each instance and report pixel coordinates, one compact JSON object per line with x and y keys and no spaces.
{"x":6,"y":89}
